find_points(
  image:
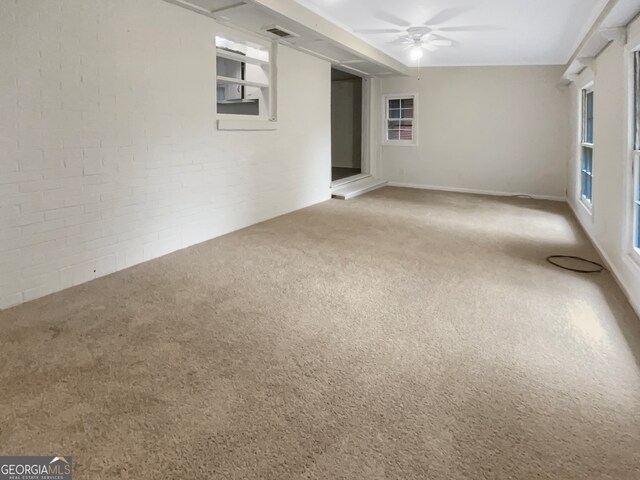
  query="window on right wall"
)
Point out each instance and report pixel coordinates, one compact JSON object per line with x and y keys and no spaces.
{"x":636,"y":152}
{"x":586,"y":148}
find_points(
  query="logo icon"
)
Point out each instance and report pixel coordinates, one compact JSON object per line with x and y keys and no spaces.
{"x":36,"y":468}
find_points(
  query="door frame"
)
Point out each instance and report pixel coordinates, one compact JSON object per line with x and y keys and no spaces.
{"x":366,"y":134}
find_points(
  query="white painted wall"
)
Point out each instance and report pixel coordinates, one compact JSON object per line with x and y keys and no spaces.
{"x":483,"y":129}
{"x":109,"y":153}
{"x":609,"y":223}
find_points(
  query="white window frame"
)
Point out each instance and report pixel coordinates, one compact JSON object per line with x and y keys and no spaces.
{"x":633,"y":184}
{"x":385,"y":108}
{"x":582,"y":144}
{"x":635,"y":207}
{"x":263,"y":121}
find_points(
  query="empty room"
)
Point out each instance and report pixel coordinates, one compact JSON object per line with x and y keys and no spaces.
{"x":320,"y":239}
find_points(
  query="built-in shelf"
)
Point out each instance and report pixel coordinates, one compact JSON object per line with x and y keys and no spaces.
{"x":239,"y":81}
{"x":220,"y":52}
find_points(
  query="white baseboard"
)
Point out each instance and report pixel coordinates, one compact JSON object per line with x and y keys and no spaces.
{"x":615,"y":272}
{"x":474,"y":191}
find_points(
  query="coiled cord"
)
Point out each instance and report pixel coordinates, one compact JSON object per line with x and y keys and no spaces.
{"x":599,"y":266}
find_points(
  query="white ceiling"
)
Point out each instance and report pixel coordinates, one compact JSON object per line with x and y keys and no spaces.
{"x":484,"y":32}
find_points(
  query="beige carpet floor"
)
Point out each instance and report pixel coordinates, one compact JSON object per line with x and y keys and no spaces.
{"x":401,"y":335}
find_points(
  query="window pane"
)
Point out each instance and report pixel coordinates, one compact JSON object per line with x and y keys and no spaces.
{"x":637,"y":225}
{"x":394,"y":103}
{"x":407,"y":103}
{"x":393,"y":125}
{"x":589,"y":118}
{"x":393,"y":134}
{"x":637,"y":203}
{"x":586,"y":187}
{"x":587,"y":160}
{"x":637,"y":179}
{"x":637,"y":98}
{"x":406,"y":134}
{"x":407,"y":113}
{"x":589,"y":138}
{"x":406,"y":130}
{"x":587,"y":173}
{"x":394,"y":113}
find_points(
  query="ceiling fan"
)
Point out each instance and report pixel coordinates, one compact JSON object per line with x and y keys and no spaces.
{"x":427,"y":36}
{"x":418,"y":39}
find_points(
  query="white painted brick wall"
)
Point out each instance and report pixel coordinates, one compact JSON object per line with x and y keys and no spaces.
{"x":109,"y":155}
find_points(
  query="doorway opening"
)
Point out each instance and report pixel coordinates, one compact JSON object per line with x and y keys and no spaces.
{"x":346,"y":126}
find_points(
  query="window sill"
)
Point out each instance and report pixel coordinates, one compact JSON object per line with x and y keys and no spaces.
{"x":241,"y":122}
{"x":633,"y":259}
{"x":586,"y":207}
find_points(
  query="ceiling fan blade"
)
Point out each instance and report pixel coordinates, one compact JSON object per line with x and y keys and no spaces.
{"x":470,"y":28}
{"x":445,"y":15}
{"x":391,"y":18}
{"x":371,"y":31}
{"x":401,"y":41}
{"x":440,"y":43}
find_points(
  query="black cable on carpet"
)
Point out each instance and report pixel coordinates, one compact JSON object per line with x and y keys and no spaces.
{"x":599,"y":266}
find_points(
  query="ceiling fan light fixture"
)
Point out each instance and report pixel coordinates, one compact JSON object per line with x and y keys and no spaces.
{"x":416,"y":52}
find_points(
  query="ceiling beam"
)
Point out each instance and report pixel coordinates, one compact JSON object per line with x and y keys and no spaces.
{"x":618,"y":34}
{"x":593,"y":30}
{"x":587,"y":62}
{"x":215,"y":11}
{"x":292,"y":11}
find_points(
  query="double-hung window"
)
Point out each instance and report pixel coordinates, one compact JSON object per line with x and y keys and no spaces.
{"x":586,"y":148}
{"x":400,"y":119}
{"x":244,"y":74}
{"x":636,"y":152}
